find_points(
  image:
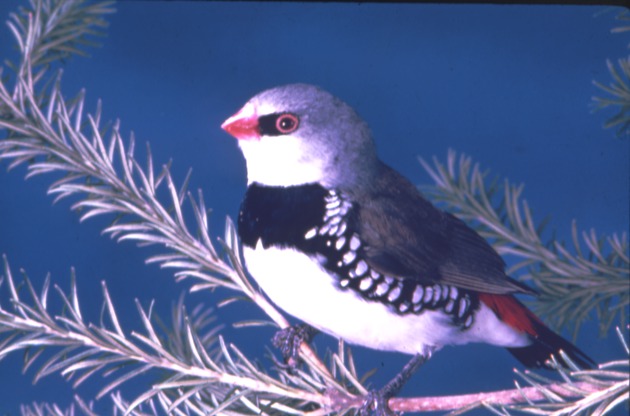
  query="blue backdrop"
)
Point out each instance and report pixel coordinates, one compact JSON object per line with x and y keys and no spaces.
{"x":509,"y":85}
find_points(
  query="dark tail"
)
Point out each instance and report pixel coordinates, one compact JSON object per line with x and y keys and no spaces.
{"x":545,"y":342}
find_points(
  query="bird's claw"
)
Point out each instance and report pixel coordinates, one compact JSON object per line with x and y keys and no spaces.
{"x":288,"y":341}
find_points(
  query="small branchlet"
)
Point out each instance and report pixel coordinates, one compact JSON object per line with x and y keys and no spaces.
{"x":618,"y":90}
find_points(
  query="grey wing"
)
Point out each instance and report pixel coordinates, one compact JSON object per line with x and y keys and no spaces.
{"x":404,"y":235}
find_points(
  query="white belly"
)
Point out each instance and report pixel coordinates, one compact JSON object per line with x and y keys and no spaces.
{"x":302,"y":288}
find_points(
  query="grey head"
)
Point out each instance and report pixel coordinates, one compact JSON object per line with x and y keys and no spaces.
{"x":298,"y":133}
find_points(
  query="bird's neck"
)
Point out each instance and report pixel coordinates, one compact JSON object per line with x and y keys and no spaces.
{"x":279,"y":215}
{"x":280,"y":163}
{"x":278,"y":176}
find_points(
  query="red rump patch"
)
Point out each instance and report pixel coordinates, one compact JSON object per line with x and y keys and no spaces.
{"x":512,"y":312}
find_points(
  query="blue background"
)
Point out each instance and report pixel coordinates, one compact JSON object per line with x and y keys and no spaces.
{"x":509,"y":85}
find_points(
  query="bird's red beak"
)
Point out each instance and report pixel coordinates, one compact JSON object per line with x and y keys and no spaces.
{"x":244,"y":124}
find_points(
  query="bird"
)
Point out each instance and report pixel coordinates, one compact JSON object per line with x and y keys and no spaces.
{"x":344,"y":243}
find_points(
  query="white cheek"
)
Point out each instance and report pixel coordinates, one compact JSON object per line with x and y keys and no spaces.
{"x":280,"y":161}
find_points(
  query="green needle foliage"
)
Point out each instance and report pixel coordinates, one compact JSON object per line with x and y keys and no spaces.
{"x":618,"y":91}
{"x":195,"y":370}
{"x":618,"y":96}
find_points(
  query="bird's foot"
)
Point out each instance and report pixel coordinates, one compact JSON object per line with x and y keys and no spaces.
{"x":288,"y":340}
{"x":376,"y":401}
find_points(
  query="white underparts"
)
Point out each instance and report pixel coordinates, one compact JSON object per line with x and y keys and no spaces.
{"x":300,"y":286}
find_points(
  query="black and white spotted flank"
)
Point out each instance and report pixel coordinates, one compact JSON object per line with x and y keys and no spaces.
{"x":323,"y":222}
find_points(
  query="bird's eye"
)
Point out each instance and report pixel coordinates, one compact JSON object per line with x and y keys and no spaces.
{"x":287,"y":123}
{"x":278,"y":124}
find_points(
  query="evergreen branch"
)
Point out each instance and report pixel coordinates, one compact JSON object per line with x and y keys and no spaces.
{"x":618,"y":91}
{"x":618,"y":96}
{"x":51,"y":409}
{"x":112,"y":181}
{"x":571,"y":286}
{"x":54,"y":30}
{"x":611,"y":379}
{"x":200,"y":363}
{"x":55,"y":135}
{"x":623,"y":16}
{"x":205,"y":375}
{"x":47,"y":409}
